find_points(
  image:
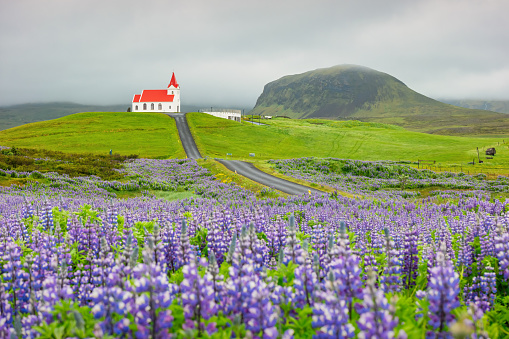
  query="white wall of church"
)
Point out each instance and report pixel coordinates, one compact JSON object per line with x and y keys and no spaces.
{"x":167,"y":107}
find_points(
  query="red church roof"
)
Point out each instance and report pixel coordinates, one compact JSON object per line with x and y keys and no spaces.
{"x":173,"y":81}
{"x":154,"y":95}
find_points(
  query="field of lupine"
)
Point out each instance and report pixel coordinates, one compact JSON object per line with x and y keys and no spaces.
{"x":77,"y":262}
{"x":384,"y":178}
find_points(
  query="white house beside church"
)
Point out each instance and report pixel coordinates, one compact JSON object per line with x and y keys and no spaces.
{"x":158,"y":100}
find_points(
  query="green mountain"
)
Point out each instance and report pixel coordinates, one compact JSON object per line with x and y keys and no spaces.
{"x":349,"y":92}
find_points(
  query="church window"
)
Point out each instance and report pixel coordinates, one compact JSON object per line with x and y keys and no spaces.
{"x":144,"y":107}
{"x":160,"y":107}
{"x":152,"y":106}
{"x":136,"y":108}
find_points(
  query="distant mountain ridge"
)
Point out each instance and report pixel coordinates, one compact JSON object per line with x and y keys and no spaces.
{"x":17,"y":115}
{"x":351,"y":92}
{"x":501,"y":106}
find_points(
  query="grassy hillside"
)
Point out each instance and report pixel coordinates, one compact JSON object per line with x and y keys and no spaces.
{"x":17,"y":115}
{"x":349,"y":92}
{"x":289,"y":138}
{"x":144,"y":134}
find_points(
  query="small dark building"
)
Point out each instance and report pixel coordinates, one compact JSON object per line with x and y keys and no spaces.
{"x":491,"y":151}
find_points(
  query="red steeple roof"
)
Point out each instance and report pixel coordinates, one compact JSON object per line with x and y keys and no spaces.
{"x":173,"y":81}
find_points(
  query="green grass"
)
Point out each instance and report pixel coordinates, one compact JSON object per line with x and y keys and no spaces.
{"x":155,"y":135}
{"x":170,"y":196}
{"x":289,"y":138}
{"x":144,"y":134}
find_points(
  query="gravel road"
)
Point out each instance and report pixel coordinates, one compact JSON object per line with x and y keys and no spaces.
{"x":243,"y":168}
{"x":250,"y":171}
{"x":185,"y":136}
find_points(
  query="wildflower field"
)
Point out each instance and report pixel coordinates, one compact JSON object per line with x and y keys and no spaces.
{"x":79,"y":262}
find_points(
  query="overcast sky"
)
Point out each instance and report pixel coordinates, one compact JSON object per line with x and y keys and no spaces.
{"x":223,"y":52}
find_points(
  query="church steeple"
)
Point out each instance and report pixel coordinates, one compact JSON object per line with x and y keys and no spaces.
{"x":173,"y":81}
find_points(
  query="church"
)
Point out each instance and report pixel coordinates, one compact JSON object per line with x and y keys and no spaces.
{"x":159,"y":100}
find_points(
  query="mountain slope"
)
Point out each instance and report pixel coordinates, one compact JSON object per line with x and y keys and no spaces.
{"x":350,"y":92}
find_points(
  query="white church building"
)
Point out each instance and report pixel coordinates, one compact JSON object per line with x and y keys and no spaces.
{"x":158,"y":100}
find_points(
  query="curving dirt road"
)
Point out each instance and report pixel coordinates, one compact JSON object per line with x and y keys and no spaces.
{"x":250,"y":171}
{"x":241,"y":167}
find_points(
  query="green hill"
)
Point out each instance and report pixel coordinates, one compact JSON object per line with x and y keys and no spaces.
{"x":17,"y":115}
{"x":292,"y":138}
{"x":155,"y":135}
{"x":147,"y":134}
{"x":349,"y":92}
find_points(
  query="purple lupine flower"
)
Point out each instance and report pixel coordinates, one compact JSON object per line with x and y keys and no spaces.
{"x":410,"y":259}
{"x":488,"y":290}
{"x":231,"y":249}
{"x":185,"y":253}
{"x":369,"y":264}
{"x":376,"y":321}
{"x":109,"y":300}
{"x":5,"y":308}
{"x":257,"y":247}
{"x":28,"y":324}
{"x":442,"y":294}
{"x":305,"y":281}
{"x":198,"y":300}
{"x":330,"y":316}
{"x":293,"y":250}
{"x":390,"y":280}
{"x":259,"y":314}
{"x":215,"y":278}
{"x":54,"y":290}
{"x":346,"y":273}
{"x":465,"y":257}
{"x":102,"y":265}
{"x":217,"y":243}
{"x":502,"y":251}
{"x":16,"y":279}
{"x":154,"y":296}
{"x":82,"y":285}
{"x":46,"y":219}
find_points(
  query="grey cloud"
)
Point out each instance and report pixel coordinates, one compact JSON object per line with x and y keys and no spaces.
{"x":223,"y":52}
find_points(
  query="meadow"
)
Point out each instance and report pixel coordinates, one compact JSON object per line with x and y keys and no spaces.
{"x":148,"y":135}
{"x":155,"y":136}
{"x":289,"y":138}
{"x":182,"y":248}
